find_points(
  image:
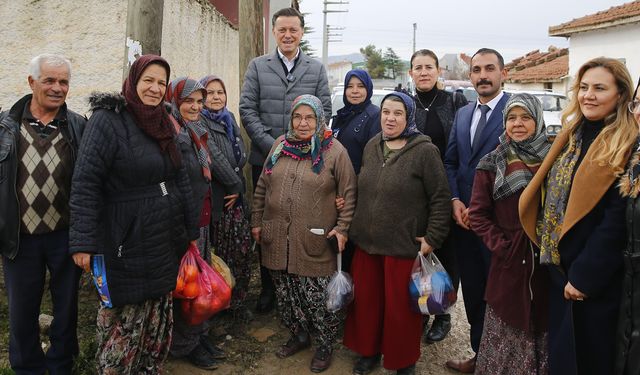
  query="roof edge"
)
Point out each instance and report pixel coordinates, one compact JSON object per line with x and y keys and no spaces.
{"x":561,"y":31}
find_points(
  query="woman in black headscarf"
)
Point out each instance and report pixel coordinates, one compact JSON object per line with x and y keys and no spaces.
{"x":131,"y":202}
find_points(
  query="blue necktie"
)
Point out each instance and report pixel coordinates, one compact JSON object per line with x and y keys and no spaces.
{"x":480,"y":128}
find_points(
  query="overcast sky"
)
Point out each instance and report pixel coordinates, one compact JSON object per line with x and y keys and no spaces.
{"x":450,"y":26}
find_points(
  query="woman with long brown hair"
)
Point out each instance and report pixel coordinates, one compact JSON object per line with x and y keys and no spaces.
{"x":573,"y":211}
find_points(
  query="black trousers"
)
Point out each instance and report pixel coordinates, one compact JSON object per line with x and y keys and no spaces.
{"x":474,"y":260}
{"x":24,"y":280}
{"x":265,"y":277}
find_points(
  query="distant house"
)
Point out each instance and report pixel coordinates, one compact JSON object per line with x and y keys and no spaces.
{"x":336,"y":72}
{"x":455,"y":66}
{"x":614,"y":32}
{"x":539,"y":71}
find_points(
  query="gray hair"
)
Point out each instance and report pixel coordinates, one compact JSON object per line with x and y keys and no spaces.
{"x":48,"y":59}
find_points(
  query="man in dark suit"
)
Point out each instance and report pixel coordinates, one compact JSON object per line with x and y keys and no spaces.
{"x":474,"y":134}
{"x":271,"y":84}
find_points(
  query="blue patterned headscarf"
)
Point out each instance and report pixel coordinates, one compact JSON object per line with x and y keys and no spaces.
{"x":299,"y":149}
{"x":410,"y":107}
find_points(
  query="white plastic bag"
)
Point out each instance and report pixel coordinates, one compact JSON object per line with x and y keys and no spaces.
{"x":340,"y":289}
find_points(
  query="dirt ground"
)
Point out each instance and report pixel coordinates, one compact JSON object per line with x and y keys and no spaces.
{"x":250,"y":346}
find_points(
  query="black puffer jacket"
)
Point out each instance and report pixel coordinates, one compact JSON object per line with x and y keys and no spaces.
{"x":10,"y":122}
{"x":129,"y":203}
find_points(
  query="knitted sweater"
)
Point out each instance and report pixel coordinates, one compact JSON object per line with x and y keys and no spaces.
{"x":292,"y":200}
{"x":404,"y":198}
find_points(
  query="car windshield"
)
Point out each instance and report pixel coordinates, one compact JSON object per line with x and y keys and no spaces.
{"x":552,"y":103}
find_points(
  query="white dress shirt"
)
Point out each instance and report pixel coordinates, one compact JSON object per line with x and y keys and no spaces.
{"x":288,"y":63}
{"x":476,"y":113}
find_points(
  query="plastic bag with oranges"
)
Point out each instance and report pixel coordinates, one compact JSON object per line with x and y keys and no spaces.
{"x":203,"y":291}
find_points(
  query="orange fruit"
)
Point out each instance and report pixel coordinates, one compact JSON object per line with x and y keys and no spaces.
{"x":191,"y":290}
{"x":190,"y":273}
{"x":179,"y":284}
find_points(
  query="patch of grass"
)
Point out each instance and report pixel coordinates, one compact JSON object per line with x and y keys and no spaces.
{"x":87,"y":309}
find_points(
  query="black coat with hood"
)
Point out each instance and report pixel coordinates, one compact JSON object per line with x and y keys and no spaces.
{"x":131,"y":204}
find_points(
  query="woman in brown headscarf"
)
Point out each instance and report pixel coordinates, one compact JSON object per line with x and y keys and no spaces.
{"x":132,"y":204}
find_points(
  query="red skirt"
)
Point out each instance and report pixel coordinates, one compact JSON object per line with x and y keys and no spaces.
{"x":380,"y":319}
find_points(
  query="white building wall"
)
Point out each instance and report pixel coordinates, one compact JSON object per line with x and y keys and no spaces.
{"x":197,"y":40}
{"x":557,"y":87}
{"x":617,"y":42}
{"x":90,"y":34}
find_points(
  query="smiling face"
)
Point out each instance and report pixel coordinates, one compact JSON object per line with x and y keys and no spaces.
{"x":486,"y":76}
{"x":287,"y":32}
{"x":355,"y":91}
{"x":51,"y":88}
{"x":152,"y":85}
{"x":424,"y":72}
{"x":216,"y":97}
{"x":191,"y":106}
{"x":520,"y":125}
{"x":304,"y":122}
{"x":393,"y":118}
{"x":598,"y":94}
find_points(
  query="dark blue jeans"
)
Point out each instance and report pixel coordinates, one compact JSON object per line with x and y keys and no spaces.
{"x":24,"y":279}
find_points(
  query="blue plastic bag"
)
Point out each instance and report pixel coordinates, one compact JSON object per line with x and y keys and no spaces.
{"x":430,"y":287}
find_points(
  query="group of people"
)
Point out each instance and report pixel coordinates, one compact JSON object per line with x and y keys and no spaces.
{"x":541,"y":235}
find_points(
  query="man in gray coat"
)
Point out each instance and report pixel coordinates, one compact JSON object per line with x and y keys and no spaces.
{"x":271,"y":84}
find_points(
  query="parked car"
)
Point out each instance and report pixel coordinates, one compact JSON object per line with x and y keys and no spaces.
{"x":337,"y":103}
{"x":552,"y":106}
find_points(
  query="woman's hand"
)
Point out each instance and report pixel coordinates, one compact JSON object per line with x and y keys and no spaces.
{"x":572,"y":293}
{"x":339,"y":203}
{"x":82,"y":260}
{"x":425,"y":248}
{"x":231,"y":200}
{"x":255,"y":233}
{"x":342,"y":239}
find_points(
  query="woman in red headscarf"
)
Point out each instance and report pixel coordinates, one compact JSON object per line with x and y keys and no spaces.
{"x":132,"y":206}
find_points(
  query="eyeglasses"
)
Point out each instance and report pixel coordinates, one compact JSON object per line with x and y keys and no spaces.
{"x":633,"y":106}
{"x":297,"y":118}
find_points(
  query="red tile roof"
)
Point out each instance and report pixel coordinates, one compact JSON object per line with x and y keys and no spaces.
{"x":466,"y":58}
{"x":618,"y":15}
{"x":538,"y":66}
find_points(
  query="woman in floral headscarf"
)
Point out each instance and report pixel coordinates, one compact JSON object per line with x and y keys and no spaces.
{"x":294,"y":213}
{"x":514,"y":339}
{"x":187,"y":97}
{"x":403,"y":208}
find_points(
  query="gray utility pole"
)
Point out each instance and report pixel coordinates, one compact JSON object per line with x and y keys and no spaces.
{"x":144,"y":30}
{"x":415,"y":26}
{"x":325,"y":28}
